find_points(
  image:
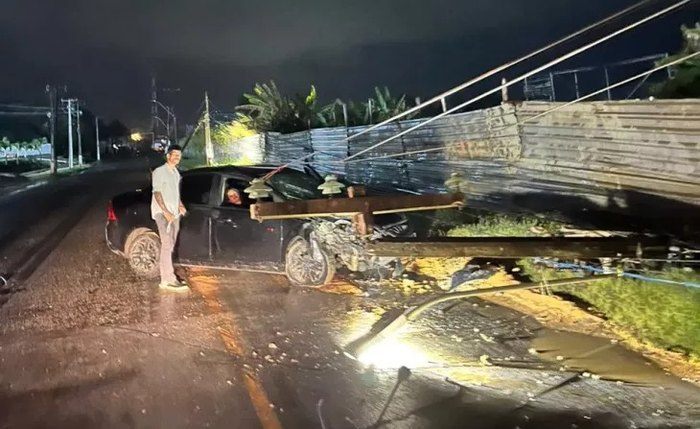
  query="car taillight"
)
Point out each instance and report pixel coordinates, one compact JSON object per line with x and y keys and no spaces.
{"x":111,"y":215}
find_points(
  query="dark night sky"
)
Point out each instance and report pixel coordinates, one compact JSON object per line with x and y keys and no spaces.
{"x":105,"y":49}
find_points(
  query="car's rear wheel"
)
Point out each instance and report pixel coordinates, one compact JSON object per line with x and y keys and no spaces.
{"x":303,"y":268}
{"x":143,"y":253}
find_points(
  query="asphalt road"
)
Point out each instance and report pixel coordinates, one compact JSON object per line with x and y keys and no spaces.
{"x":85,"y":344}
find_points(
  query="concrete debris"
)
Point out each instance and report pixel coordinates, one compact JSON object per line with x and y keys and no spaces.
{"x":487,"y":338}
{"x":272,"y":346}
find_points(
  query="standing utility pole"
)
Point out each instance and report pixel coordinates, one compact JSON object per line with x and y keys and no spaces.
{"x":97,"y":136}
{"x":154,"y":106}
{"x":78,"y":113}
{"x":208,"y":148}
{"x":174,"y":125}
{"x":52,"y":125}
{"x":69,"y":103}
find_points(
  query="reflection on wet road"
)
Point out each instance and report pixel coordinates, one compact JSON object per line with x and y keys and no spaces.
{"x":478,"y":363}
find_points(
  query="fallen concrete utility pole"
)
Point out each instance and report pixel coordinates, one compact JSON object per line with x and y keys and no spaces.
{"x":349,"y":207}
{"x":521,"y":247}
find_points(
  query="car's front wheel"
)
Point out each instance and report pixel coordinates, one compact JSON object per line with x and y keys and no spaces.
{"x":306,"y":268}
{"x":143,"y":253}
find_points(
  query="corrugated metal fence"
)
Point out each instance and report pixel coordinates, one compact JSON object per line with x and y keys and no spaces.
{"x":602,"y":153}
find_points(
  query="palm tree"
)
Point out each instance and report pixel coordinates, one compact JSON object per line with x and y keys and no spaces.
{"x":268,"y":110}
{"x":18,"y":147}
{"x":386,"y":106}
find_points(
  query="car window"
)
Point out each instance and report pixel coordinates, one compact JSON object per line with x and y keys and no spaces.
{"x":195,"y":189}
{"x":295,"y":185}
{"x":225,"y":199}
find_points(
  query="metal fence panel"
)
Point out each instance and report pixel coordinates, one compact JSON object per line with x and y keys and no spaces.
{"x":603,"y":147}
{"x":600,"y":152}
{"x":282,"y":148}
{"x":331,"y":148}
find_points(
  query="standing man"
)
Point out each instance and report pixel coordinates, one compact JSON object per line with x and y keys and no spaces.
{"x":166,"y":210}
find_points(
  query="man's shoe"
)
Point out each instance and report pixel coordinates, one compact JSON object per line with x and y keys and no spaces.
{"x":175,"y":287}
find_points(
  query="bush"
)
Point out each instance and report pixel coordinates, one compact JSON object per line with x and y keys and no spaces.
{"x":504,"y":226}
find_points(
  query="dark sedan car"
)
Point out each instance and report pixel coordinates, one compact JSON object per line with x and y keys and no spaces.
{"x":220,"y":234}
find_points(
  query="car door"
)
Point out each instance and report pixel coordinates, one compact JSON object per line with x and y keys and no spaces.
{"x":238,"y":239}
{"x":195,"y":229}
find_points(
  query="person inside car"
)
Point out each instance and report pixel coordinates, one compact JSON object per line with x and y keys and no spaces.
{"x":233,"y":197}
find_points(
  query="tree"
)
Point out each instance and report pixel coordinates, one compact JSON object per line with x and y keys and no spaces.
{"x":5,"y":145}
{"x":117,"y":129}
{"x":386,"y":106}
{"x":266,"y":109}
{"x":226,"y":133}
{"x":685,"y":82}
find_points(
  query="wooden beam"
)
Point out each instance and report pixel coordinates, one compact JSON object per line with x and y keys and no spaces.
{"x":348,"y":207}
{"x":520,"y":247}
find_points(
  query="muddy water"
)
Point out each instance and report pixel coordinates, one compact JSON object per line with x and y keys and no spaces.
{"x":601,"y":357}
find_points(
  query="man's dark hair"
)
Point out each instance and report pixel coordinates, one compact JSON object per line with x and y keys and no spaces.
{"x":174,"y":147}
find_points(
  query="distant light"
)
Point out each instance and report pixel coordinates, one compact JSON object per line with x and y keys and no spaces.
{"x":137,"y":137}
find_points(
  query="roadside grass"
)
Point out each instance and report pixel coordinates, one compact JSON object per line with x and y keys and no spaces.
{"x":667,"y":316}
{"x":502,"y":225}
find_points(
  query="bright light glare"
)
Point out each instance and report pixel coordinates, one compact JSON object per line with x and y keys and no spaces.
{"x":137,"y":137}
{"x":392,"y":353}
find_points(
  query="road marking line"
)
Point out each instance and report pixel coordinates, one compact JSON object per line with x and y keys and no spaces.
{"x":208,"y":287}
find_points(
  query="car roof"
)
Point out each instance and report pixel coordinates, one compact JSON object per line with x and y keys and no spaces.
{"x":248,"y":170}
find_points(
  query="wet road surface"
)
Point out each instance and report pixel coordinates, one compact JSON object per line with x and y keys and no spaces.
{"x":84,"y":343}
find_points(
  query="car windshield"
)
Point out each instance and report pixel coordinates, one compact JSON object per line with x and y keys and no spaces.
{"x":296,"y":185}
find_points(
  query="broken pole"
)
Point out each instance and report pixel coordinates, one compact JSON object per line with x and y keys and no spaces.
{"x":520,"y":247}
{"x":349,"y":207}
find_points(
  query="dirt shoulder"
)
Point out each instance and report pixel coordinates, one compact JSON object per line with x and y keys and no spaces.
{"x":556,"y":313}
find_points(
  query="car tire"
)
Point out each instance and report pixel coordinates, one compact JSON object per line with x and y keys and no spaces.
{"x":303,"y":270}
{"x":142,"y":250}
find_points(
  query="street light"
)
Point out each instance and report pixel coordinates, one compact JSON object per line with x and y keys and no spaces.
{"x":139,"y":136}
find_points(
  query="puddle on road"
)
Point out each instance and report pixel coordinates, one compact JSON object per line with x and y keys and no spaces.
{"x":600,"y":357}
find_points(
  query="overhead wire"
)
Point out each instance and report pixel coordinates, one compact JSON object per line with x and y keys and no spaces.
{"x":626,"y":274}
{"x":546,"y":112}
{"x":505,"y":66}
{"x":499,"y":69}
{"x":526,"y":75}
